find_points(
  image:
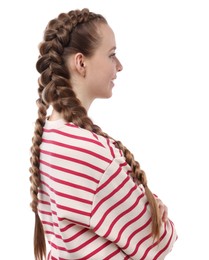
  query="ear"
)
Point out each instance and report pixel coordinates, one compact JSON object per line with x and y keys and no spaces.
{"x":79,"y":61}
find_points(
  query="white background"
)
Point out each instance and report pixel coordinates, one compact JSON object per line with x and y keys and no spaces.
{"x":159,"y":109}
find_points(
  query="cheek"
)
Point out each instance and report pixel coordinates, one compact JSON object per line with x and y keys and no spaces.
{"x":101,"y":85}
{"x":109,"y":71}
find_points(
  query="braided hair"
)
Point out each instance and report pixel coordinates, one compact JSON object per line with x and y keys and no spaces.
{"x":72,"y":32}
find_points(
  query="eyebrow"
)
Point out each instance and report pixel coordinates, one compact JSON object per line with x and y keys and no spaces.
{"x":113,"y":48}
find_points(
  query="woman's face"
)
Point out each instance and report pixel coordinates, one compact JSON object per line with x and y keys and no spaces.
{"x":102,"y":67}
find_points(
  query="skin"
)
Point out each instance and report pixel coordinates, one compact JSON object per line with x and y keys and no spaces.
{"x":163,"y":210}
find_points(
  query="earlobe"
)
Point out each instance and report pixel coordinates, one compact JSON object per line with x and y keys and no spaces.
{"x":80,"y":64}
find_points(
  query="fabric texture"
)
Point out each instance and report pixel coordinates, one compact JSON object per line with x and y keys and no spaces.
{"x":89,"y":205}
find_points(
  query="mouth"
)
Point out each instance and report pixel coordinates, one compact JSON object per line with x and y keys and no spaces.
{"x":112,"y":81}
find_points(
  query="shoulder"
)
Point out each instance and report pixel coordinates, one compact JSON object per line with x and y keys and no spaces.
{"x":88,"y":140}
{"x":73,"y":138}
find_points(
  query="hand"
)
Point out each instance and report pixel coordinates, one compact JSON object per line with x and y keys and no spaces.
{"x":163,"y":210}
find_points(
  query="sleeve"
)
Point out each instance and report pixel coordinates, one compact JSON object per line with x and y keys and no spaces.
{"x":121,"y":214}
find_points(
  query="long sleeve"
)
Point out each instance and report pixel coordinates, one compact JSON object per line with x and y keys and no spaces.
{"x":121,"y":214}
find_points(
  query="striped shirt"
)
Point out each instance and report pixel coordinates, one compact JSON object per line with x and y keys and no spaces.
{"x":89,"y":205}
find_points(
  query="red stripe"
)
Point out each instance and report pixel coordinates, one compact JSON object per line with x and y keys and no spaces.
{"x":45,"y":212}
{"x":48,"y":213}
{"x":52,"y":233}
{"x":139,"y":243}
{"x":96,"y":251}
{"x":44,"y":202}
{"x":110,"y":147}
{"x":166,"y":246}
{"x":72,"y":125}
{"x":112,"y":177}
{"x":110,"y":194}
{"x":64,"y":195}
{"x":77,"y":211}
{"x":112,"y":207}
{"x":60,"y":258}
{"x":130,"y":223}
{"x":150,"y":247}
{"x":74,"y":136}
{"x":92,"y":166}
{"x":77,"y":149}
{"x":54,"y":213}
{"x":117,"y":251}
{"x":80,"y":212}
{"x":80,"y":247}
{"x":74,"y":222}
{"x":67,"y":227}
{"x":43,"y":191}
{"x":86,"y":243}
{"x":50,"y":223}
{"x":70,"y":210}
{"x":75,"y":236}
{"x":138,"y":231}
{"x":66,"y":182}
{"x":89,"y":256}
{"x":96,"y":136}
{"x":126,"y":211}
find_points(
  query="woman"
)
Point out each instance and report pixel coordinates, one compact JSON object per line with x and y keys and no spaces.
{"x":89,"y":195}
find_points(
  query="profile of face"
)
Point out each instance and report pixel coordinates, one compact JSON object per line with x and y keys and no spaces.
{"x":99,"y":70}
{"x":103,"y":65}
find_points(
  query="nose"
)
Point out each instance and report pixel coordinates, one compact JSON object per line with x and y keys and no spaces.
{"x":119,"y":66}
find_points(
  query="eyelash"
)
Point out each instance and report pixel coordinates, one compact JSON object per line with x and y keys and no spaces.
{"x":113,"y":54}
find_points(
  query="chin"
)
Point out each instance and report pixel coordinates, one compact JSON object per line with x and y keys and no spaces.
{"x":106,"y":95}
{"x":109,"y":96}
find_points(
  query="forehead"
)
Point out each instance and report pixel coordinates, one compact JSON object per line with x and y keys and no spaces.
{"x":107,"y":36}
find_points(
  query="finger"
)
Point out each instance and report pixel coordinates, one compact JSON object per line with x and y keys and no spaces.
{"x":164,"y":214}
{"x":163,"y":210}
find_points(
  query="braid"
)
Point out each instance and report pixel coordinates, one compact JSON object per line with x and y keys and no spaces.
{"x":139,"y":177}
{"x":64,"y":36}
{"x":39,"y":242}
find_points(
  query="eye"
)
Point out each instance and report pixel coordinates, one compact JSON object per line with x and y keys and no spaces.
{"x":113,"y":55}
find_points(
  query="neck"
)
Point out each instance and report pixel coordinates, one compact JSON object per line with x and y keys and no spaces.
{"x":55,"y":116}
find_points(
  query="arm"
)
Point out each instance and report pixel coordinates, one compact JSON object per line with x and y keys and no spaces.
{"x":121,"y":214}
